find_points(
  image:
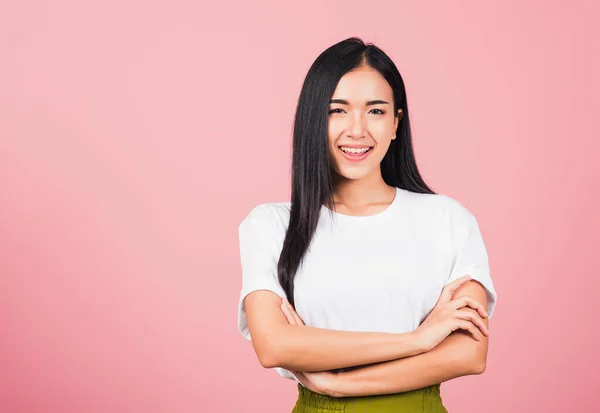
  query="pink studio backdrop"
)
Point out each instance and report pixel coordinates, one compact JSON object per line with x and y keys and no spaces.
{"x":135,"y":136}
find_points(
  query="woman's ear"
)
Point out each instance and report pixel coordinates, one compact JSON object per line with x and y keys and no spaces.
{"x":396,"y":122}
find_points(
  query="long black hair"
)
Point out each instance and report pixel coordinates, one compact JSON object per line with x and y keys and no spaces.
{"x":312,"y":176}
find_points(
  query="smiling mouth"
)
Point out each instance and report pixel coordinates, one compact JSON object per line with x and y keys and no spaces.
{"x":354,"y":151}
{"x":355,"y":154}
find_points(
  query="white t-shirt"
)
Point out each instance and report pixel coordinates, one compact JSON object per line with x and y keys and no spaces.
{"x":378,"y":273}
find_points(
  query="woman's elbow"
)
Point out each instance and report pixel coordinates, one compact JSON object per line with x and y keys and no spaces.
{"x":473,"y":356}
{"x":268,"y":358}
{"x":267,"y":353}
{"x":477,"y":360}
{"x":267,"y":361}
{"x":479,"y":366}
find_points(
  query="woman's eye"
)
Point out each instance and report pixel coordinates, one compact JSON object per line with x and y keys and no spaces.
{"x":338,"y":110}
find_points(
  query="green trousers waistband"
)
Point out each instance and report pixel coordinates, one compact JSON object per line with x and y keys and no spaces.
{"x":425,"y":400}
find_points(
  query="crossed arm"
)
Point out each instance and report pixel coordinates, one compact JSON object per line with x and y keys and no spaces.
{"x":402,"y":365}
{"x":458,"y":355}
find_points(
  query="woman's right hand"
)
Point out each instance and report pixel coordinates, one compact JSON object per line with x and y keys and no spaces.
{"x":448,"y":315}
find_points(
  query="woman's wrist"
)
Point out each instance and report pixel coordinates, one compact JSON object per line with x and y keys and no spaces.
{"x":345,"y":384}
{"x":412,"y":341}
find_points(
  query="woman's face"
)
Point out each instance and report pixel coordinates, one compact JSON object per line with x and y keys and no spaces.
{"x":361,"y":117}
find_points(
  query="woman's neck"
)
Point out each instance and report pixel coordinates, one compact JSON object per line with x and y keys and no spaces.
{"x":364,"y":195}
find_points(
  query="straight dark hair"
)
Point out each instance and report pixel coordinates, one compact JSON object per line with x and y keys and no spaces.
{"x":312,"y":176}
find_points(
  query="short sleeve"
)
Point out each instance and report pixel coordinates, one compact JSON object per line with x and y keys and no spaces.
{"x":260,"y":247}
{"x":470,"y":254}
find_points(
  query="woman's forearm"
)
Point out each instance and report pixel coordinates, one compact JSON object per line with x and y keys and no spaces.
{"x":458,"y":355}
{"x":303,"y":348}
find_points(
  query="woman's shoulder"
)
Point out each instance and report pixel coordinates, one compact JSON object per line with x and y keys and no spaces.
{"x":273,"y":214}
{"x":439,"y":204}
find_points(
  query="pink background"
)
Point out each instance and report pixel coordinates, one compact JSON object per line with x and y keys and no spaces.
{"x":135,"y":136}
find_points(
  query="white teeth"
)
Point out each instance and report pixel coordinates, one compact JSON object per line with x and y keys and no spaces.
{"x":354,"y":150}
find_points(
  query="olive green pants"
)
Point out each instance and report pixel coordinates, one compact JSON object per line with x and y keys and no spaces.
{"x":425,"y":400}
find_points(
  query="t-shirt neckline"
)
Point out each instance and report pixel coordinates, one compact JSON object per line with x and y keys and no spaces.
{"x":366,"y":219}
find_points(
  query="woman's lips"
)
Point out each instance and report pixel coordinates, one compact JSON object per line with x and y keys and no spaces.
{"x":355,"y":157}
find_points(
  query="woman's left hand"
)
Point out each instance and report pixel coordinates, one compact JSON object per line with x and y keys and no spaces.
{"x":320,"y":381}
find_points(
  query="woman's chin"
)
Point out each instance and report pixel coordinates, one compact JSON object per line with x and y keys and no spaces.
{"x":353,"y":173}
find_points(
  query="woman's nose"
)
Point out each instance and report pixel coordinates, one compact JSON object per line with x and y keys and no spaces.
{"x":357,"y":126}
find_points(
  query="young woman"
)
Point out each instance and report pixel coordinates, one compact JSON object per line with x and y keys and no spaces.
{"x":367,"y":288}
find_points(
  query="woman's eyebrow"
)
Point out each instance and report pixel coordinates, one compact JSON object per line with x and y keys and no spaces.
{"x":369,"y":102}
